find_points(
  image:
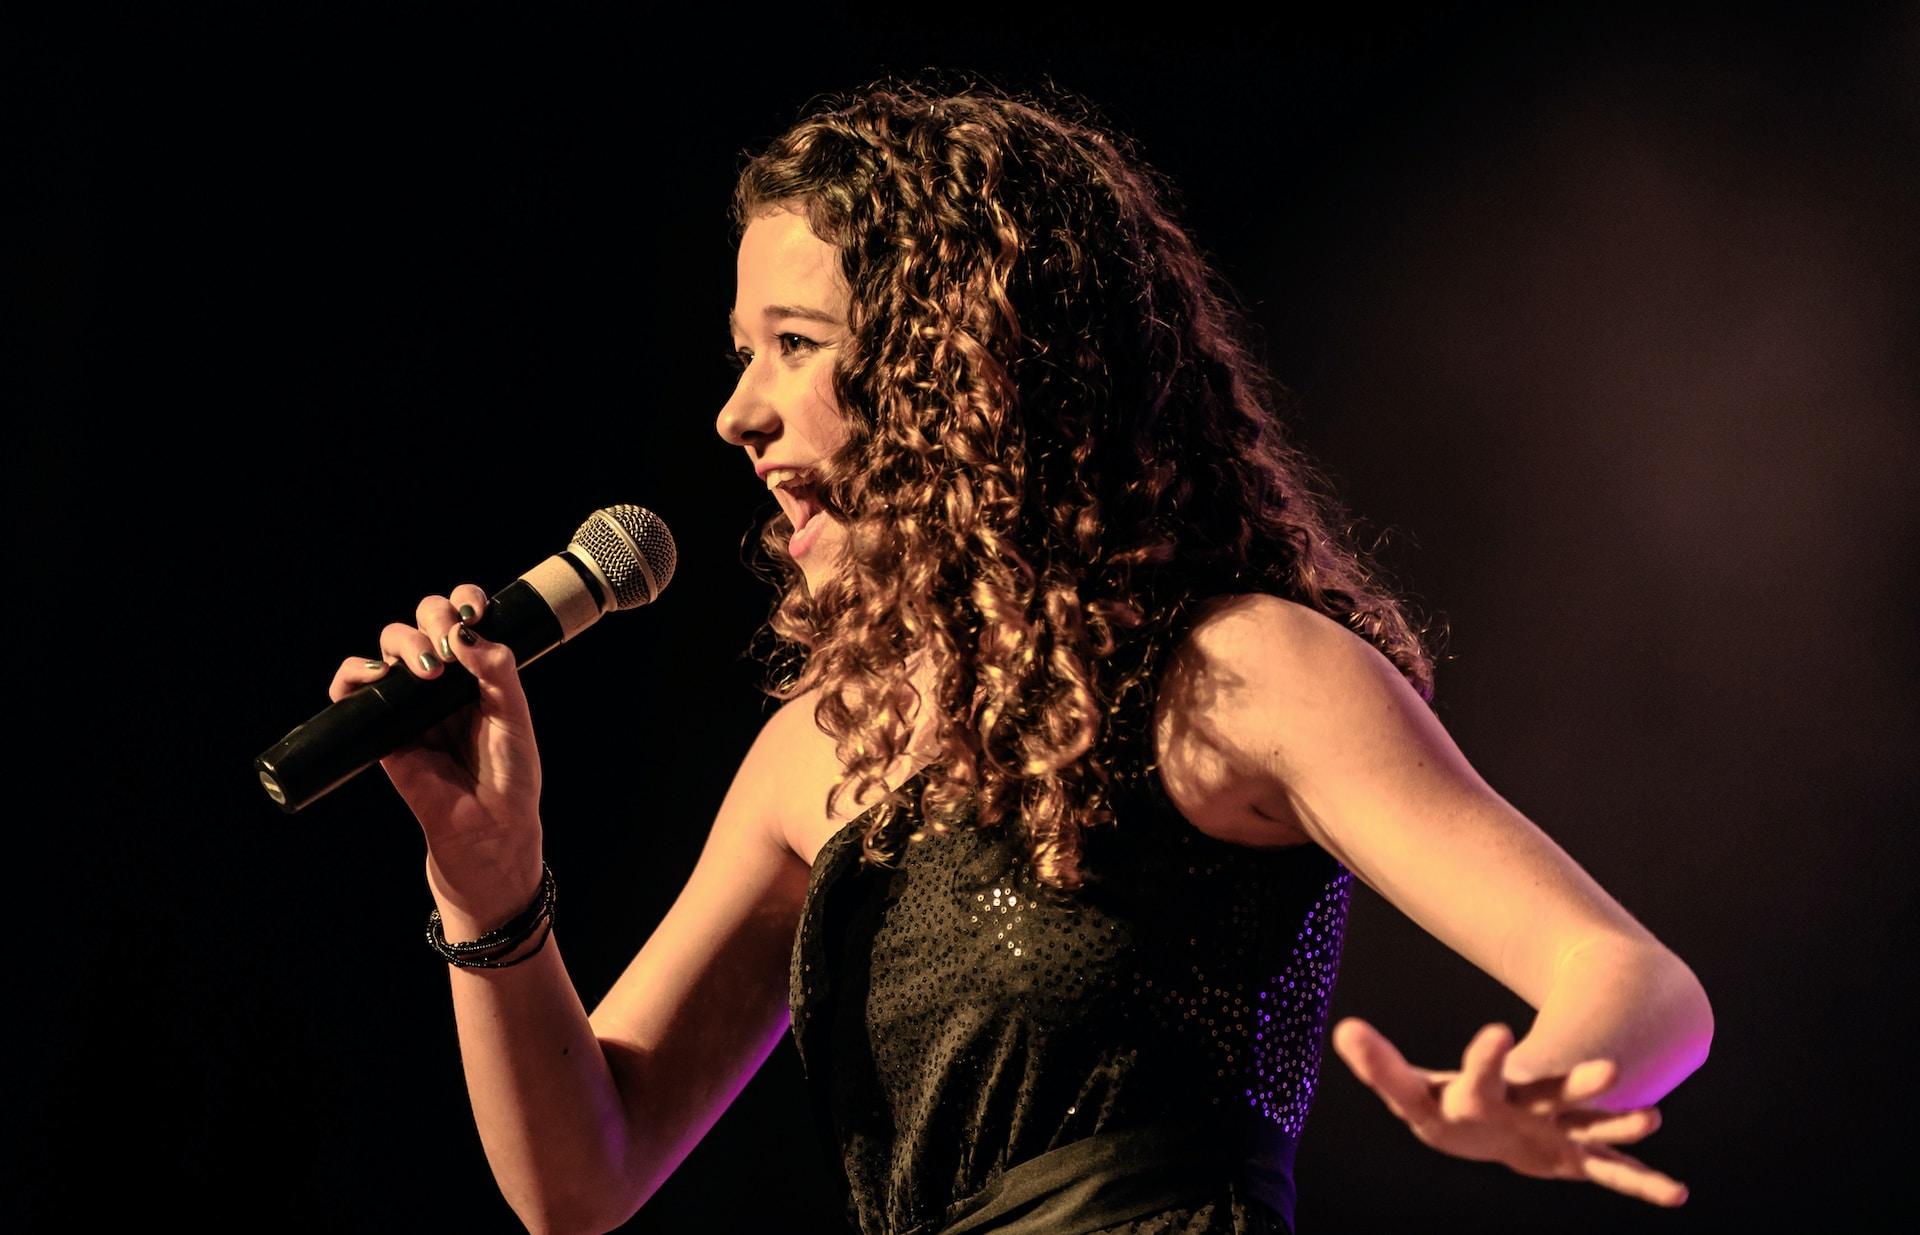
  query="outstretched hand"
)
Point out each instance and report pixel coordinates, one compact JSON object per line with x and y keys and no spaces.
{"x":1538,"y":1128}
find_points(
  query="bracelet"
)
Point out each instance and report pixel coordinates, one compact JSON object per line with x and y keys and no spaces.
{"x":486,"y":951}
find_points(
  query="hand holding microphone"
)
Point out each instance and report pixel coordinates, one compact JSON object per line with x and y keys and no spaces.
{"x":471,"y":774}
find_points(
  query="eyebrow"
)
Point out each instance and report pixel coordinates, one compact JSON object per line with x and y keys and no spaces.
{"x":804,"y":312}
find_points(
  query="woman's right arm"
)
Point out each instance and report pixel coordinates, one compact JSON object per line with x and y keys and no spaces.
{"x":583,"y":1118}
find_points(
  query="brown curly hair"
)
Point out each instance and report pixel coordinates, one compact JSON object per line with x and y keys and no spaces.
{"x":1059,"y":444}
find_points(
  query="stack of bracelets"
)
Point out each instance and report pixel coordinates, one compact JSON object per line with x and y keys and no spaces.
{"x":487,"y":951}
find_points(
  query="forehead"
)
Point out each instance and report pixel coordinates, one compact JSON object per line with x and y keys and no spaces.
{"x":782,"y":262}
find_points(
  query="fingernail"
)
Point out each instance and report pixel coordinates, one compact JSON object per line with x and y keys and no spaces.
{"x":446,"y":649}
{"x":373,"y":665}
{"x":466,"y":636}
{"x":428,"y":662}
{"x":466,"y":613}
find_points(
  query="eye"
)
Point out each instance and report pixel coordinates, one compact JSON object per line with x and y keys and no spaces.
{"x":795,"y":344}
{"x":739,"y":358}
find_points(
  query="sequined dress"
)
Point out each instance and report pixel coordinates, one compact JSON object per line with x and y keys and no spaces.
{"x":1154,"y":1037}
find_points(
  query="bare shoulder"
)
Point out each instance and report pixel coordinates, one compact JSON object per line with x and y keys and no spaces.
{"x":1250,"y":662}
{"x":796,"y":771}
{"x":799,"y":768}
{"x":1265,"y":625}
{"x":1321,"y":734}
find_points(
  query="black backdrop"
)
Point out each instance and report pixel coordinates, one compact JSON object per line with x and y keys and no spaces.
{"x":1605,"y":322}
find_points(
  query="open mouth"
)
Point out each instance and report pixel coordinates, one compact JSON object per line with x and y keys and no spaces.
{"x":798,"y":501}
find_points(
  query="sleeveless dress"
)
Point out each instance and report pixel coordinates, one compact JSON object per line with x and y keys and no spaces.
{"x":984,"y":1053}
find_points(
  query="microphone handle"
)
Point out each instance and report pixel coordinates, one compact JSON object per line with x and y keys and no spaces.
{"x":354,"y":733}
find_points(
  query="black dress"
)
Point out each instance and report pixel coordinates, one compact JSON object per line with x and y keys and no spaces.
{"x":985,"y":1053}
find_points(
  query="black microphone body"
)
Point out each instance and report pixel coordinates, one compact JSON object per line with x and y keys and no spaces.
{"x":531,"y":616}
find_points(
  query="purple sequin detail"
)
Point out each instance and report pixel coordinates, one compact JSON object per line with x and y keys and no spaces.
{"x":1292,"y":1021}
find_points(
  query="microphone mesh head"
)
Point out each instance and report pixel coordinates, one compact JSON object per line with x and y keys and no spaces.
{"x":633,"y":549}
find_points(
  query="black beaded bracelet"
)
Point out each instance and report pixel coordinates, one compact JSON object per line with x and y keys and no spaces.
{"x":486,"y":951}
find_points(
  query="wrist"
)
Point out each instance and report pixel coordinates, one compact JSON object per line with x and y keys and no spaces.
{"x":483,"y":889}
{"x":505,"y":946}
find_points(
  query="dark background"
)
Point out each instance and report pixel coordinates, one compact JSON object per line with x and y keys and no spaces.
{"x":1605,"y":321}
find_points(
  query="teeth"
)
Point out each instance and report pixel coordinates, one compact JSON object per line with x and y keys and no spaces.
{"x":787,"y":482}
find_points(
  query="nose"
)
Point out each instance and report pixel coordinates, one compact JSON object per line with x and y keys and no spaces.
{"x":747,"y":413}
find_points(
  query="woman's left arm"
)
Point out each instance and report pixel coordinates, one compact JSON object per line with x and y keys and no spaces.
{"x":1338,"y":747}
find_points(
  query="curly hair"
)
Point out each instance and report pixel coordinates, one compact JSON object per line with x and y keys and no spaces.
{"x":1060,"y":443}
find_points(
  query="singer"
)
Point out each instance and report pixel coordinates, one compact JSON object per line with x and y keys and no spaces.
{"x":1090,"y":713}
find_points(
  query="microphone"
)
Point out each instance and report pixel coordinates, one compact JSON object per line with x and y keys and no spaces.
{"x":621,"y":558}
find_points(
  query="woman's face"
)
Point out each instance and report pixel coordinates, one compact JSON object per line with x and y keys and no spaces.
{"x":789,"y":323}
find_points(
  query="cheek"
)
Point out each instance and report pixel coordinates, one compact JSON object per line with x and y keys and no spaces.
{"x":825,"y":408}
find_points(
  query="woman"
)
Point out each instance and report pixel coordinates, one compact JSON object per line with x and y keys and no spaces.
{"x":1047,"y":555}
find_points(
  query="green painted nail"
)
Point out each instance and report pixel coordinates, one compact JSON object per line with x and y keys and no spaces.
{"x":376,"y":664}
{"x":446,"y":649}
{"x":466,"y":613}
{"x":428,"y":662}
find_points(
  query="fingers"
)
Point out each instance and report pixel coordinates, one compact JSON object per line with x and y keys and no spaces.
{"x":442,"y":618}
{"x":439,"y":623}
{"x":426,"y":648}
{"x":1627,"y":1174}
{"x":1589,"y":1079}
{"x":1481,"y":1087}
{"x":469,"y":596}
{"x":493,"y":664}
{"x":412,"y":647}
{"x":1589,"y":1127}
{"x":1552,"y":1094}
{"x":1381,"y":1067}
{"x":353,"y":673}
